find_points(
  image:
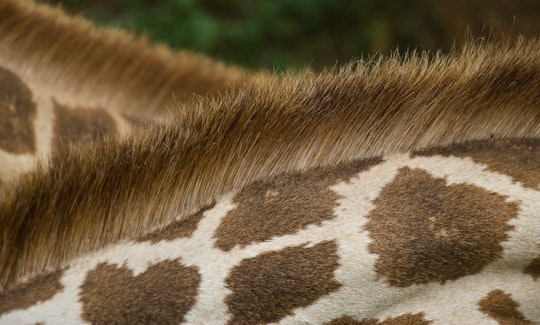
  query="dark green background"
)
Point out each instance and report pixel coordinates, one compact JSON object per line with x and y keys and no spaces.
{"x":285,"y":34}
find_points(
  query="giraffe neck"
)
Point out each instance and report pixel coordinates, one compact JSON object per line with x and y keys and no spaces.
{"x":447,"y":235}
{"x":70,"y":59}
{"x":267,"y":127}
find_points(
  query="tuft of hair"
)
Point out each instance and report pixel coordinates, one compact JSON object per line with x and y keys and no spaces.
{"x":90,"y":197}
{"x":104,"y":66}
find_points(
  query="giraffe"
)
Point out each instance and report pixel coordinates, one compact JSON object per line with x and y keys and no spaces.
{"x":397,"y":191}
{"x":64,"y":81}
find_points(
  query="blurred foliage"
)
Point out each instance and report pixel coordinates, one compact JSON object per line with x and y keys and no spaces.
{"x":316,"y":33}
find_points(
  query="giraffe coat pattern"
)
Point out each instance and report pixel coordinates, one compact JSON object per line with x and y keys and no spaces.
{"x":394,"y":191}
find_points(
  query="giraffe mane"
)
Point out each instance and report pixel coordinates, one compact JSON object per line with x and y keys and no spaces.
{"x":63,"y":52}
{"x":90,"y":197}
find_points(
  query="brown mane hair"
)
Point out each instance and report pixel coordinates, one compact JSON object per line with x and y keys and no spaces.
{"x":103,"y":67}
{"x":91,"y":197}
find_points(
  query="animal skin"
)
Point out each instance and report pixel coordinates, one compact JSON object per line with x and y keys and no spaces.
{"x":399,"y":190}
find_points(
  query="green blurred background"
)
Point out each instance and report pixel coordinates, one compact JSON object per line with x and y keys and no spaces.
{"x":291,"y":34}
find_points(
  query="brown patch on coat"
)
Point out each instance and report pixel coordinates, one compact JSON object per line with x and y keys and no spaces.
{"x":24,"y":295}
{"x":268,"y":287}
{"x":80,"y":125}
{"x":178,"y":229}
{"x":284,"y":205}
{"x":406,"y":319}
{"x":500,"y":306}
{"x":17,"y":112}
{"x":518,"y":158}
{"x":163,"y":294}
{"x":533,"y":268}
{"x":424,"y":230}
